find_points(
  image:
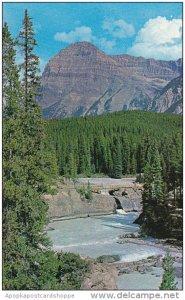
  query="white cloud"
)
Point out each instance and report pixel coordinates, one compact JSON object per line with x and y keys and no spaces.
{"x":160,"y":39}
{"x":118,"y":28}
{"x":105,"y":44}
{"x":82,"y":33}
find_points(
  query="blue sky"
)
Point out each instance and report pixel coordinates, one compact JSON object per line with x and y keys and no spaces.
{"x":151,"y":30}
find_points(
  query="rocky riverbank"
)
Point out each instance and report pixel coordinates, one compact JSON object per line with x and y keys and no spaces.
{"x":107,"y":273}
{"x":139,"y":274}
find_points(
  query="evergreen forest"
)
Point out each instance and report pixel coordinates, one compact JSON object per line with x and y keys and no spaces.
{"x":116,"y":144}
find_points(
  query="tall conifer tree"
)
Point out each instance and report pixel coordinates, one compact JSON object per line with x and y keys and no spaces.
{"x":25,"y":177}
{"x":153,"y":218}
{"x":30,"y":66}
{"x":12,"y":144}
{"x":117,"y":160}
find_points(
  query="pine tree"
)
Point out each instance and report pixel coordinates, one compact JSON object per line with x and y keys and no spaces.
{"x":84,"y":156}
{"x":30,"y":66}
{"x":71,"y":163}
{"x":11,"y":143}
{"x":117,"y":160}
{"x":175,"y":172}
{"x":168,"y":279}
{"x":126,"y":155}
{"x":147,"y":216}
{"x":109,"y":162}
{"x":11,"y":84}
{"x":133,"y":163}
{"x":16,"y":264}
{"x":140,"y":158}
{"x":157,"y":174}
{"x":153,"y":219}
{"x":159,"y":196}
{"x":34,"y":165}
{"x":25,"y":179}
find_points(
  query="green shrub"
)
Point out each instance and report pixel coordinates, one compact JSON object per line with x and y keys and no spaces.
{"x":168,"y":280}
{"x":85,"y":193}
{"x":71,"y":271}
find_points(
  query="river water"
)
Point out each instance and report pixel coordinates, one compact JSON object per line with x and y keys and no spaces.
{"x":97,"y":236}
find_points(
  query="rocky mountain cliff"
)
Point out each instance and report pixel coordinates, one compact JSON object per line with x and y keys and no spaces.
{"x":82,"y":80}
{"x":169,"y":98}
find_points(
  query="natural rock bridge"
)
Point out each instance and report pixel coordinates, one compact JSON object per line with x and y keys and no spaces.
{"x":108,"y":184}
{"x":110,"y":187}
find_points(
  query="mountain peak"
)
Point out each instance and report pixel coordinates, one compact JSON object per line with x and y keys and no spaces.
{"x":83,"y":80}
{"x":85,"y":44}
{"x":82,"y":49}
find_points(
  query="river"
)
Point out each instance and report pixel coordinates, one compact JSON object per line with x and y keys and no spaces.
{"x":97,"y":236}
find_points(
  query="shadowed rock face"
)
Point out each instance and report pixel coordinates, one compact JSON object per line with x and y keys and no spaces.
{"x":82,"y":80}
{"x":170,"y":98}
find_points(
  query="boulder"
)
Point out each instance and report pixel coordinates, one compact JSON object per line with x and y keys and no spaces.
{"x":108,"y":258}
{"x":100,"y":277}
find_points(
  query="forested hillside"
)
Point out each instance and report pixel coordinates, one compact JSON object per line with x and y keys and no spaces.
{"x":114,"y":144}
